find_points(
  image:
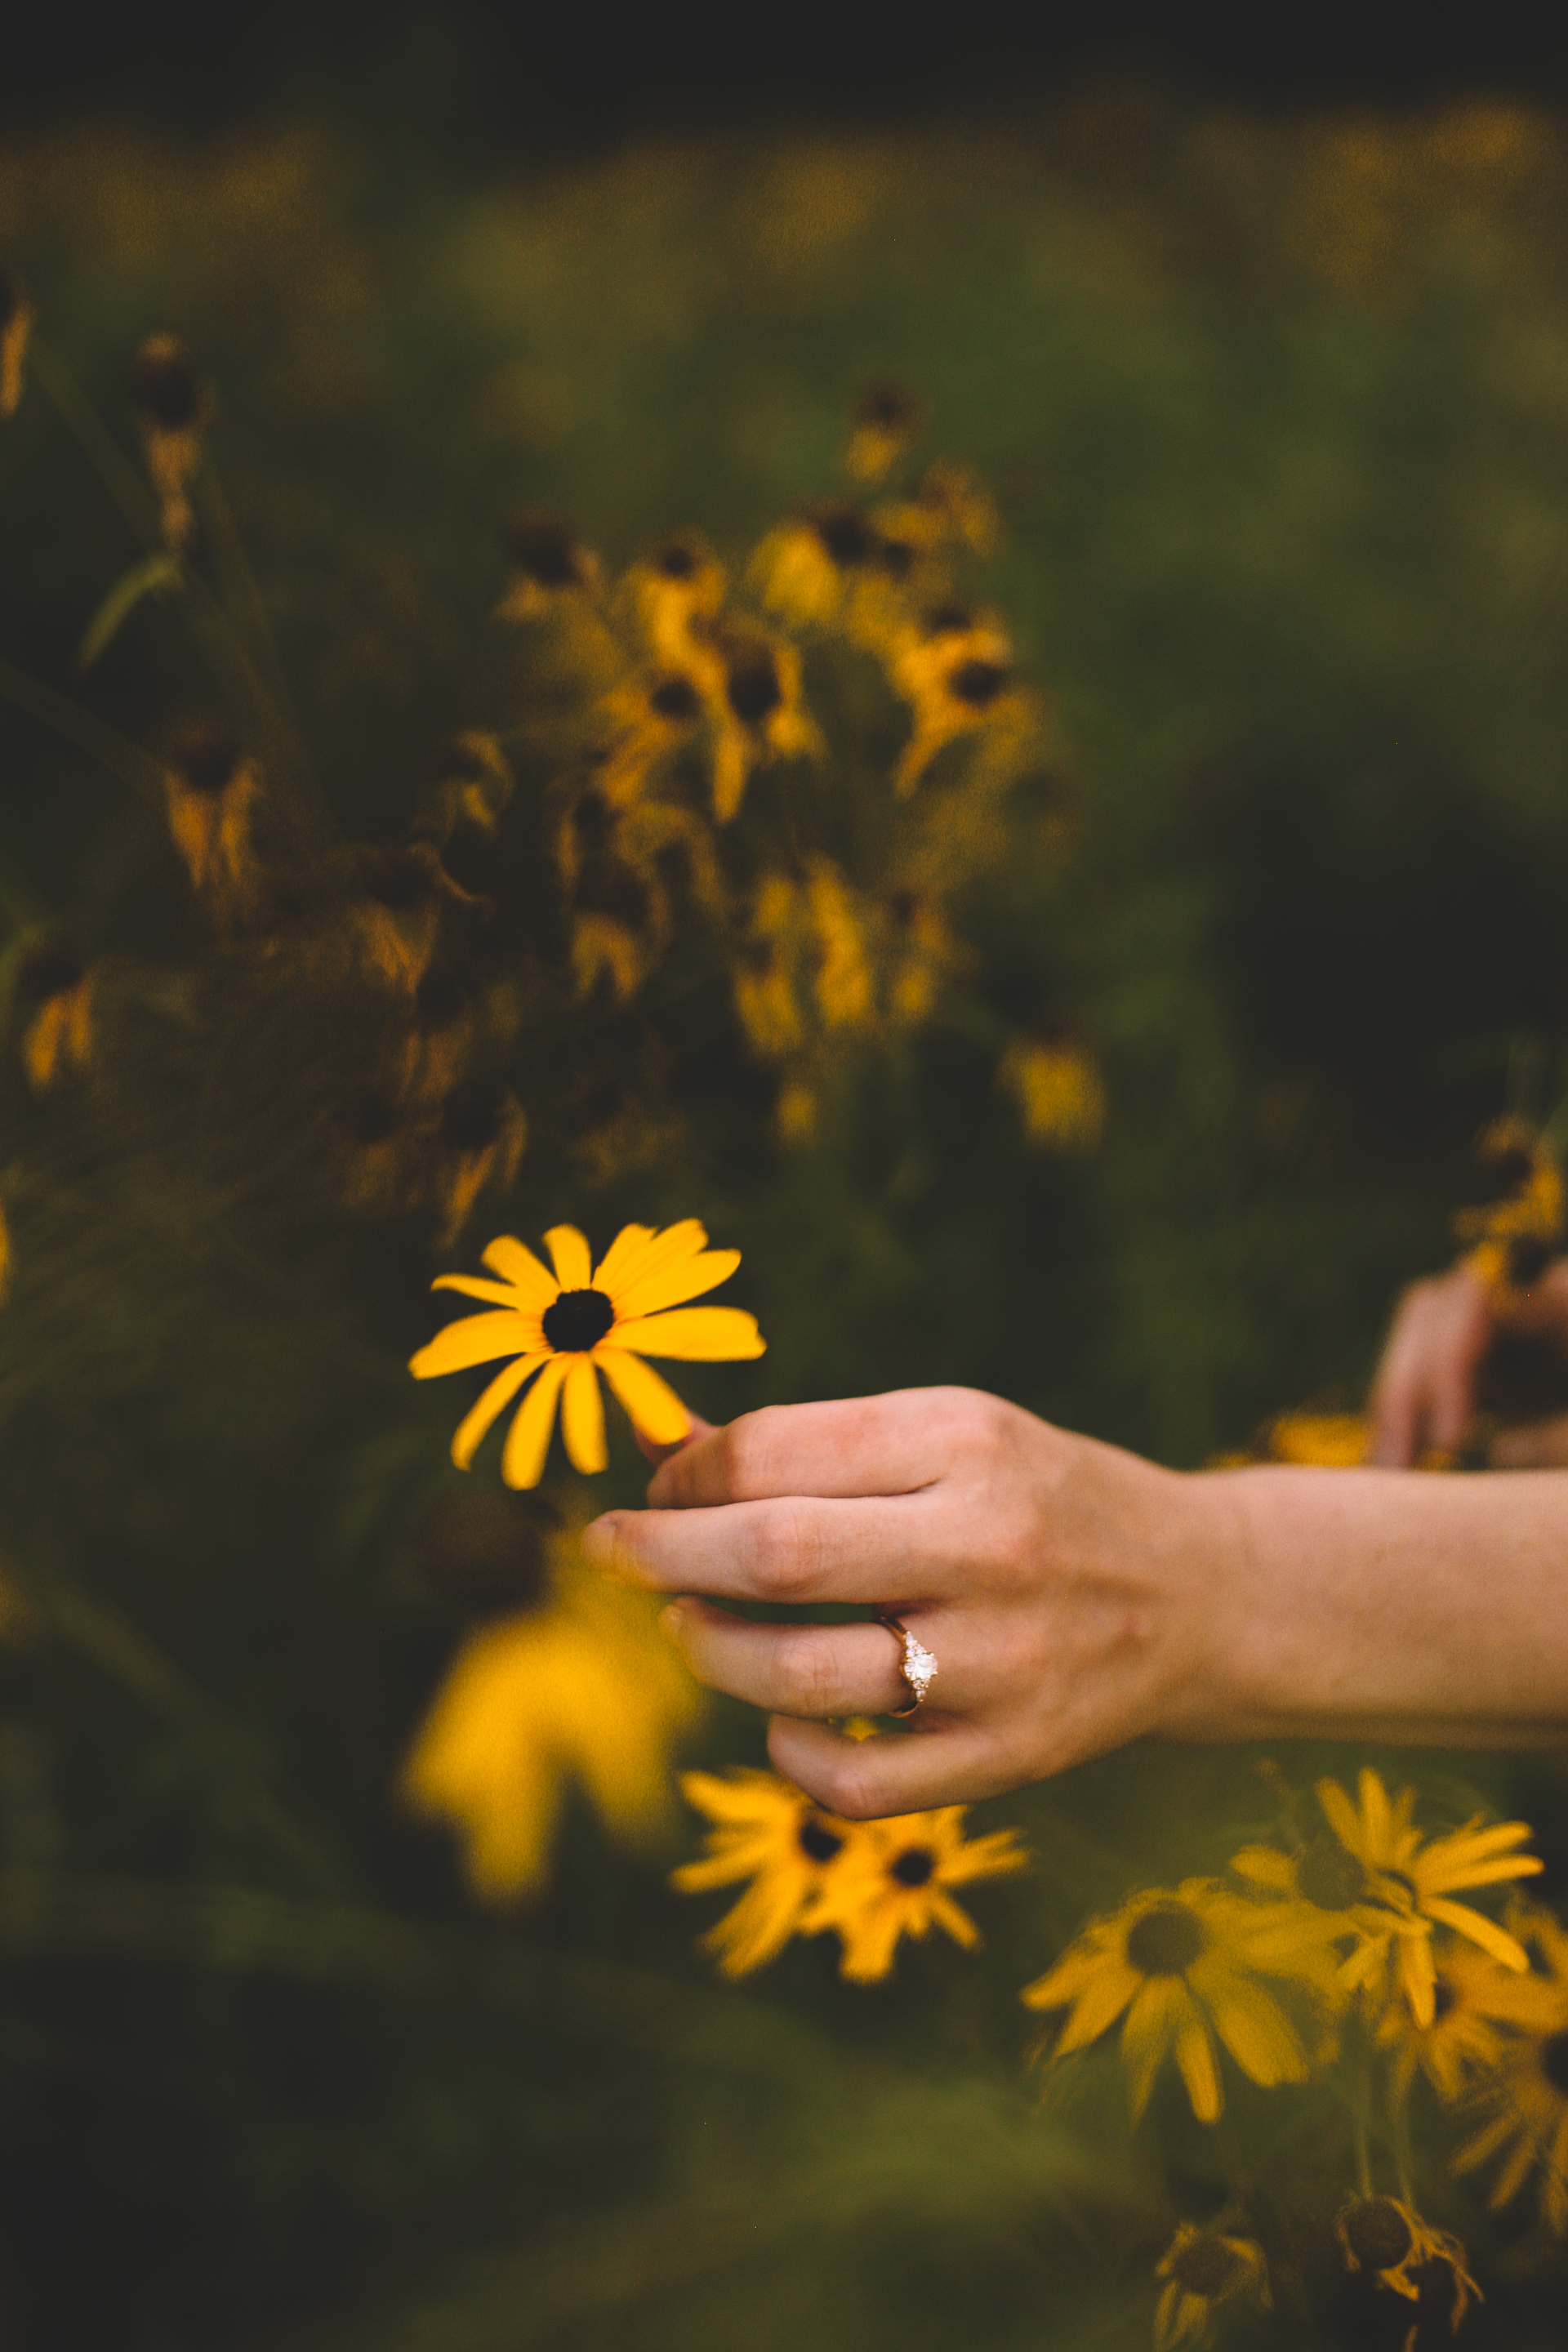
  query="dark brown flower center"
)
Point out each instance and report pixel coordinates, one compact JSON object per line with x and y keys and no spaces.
{"x":1444,"y":1999}
{"x":1166,"y":1940}
{"x":949,"y":619}
{"x":542,"y":548}
{"x":52,"y":968}
{"x":817,"y":1842}
{"x":1206,"y":2266}
{"x":207,"y":760}
{"x":675,"y":560}
{"x":1554,"y":2062}
{"x":978,"y":683}
{"x":165,"y":384}
{"x":1330,"y":1875}
{"x":1377,"y":2234}
{"x":674,"y":697}
{"x":913,"y":1867}
{"x":1528,"y":1259}
{"x":886,"y":409}
{"x":475,"y":1114}
{"x":845,"y":533}
{"x":752,"y":686}
{"x":578,"y":1321}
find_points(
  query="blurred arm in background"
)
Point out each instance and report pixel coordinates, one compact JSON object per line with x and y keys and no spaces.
{"x":1077,"y":1597}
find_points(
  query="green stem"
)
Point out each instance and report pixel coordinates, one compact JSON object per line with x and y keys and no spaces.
{"x":102,"y":452}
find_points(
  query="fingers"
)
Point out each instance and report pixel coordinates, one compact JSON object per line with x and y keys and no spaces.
{"x":862,"y":1445}
{"x":1540,"y":1446}
{"x":803,"y":1670}
{"x":1424,"y":1391}
{"x":953,"y":1763}
{"x":886,"y":1551}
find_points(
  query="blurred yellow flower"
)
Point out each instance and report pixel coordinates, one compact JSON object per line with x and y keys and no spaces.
{"x":1389,"y":2238}
{"x":16,"y":316}
{"x":52,"y":976}
{"x":953,"y":668}
{"x":1516,"y":1233}
{"x":473,"y":784}
{"x":883,"y":422}
{"x":583,"y":1689}
{"x":1181,"y":1963}
{"x":174,"y":406}
{"x":563,"y":1329}
{"x":1472,"y":1995}
{"x":894,"y":1881}
{"x":844,"y":992}
{"x":1328,"y":1439}
{"x":1523,"y":2097}
{"x":212,"y":789}
{"x":1058,"y":1089}
{"x":774,"y":1834}
{"x":755,"y":700}
{"x":548,"y":566}
{"x":1203,"y":2269}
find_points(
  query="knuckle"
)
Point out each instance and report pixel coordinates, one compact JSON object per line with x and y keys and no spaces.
{"x":780,"y":1553}
{"x":749,"y":1443}
{"x":808,"y":1671}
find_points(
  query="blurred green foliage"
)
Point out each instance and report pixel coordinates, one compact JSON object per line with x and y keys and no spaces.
{"x":1278,"y":417}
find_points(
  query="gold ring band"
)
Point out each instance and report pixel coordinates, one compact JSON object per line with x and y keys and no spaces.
{"x":917,"y":1665}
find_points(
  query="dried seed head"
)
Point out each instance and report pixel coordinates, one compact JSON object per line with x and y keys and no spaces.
{"x":48,"y":969}
{"x":539,"y":545}
{"x":206,"y":761}
{"x":166,"y":385}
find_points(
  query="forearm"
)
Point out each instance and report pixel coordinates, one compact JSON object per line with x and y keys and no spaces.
{"x":1380,"y":1604}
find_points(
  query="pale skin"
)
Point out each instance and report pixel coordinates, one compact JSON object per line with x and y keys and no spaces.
{"x":1078,"y":1597}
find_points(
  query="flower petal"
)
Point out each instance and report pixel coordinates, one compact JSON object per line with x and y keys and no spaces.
{"x":1342,"y":1817}
{"x":474,"y":1285}
{"x":474,"y":1339}
{"x":639,"y":1250}
{"x":710,"y":1334}
{"x":527,"y":1439}
{"x":1100,"y":2004}
{"x":571,"y":1256}
{"x":583,"y":1417}
{"x":507,"y":1256}
{"x":668,"y":1285}
{"x":1257,"y":2032}
{"x":1480,"y":1930}
{"x":654,"y":1409}
{"x":496,"y":1397}
{"x":1195,"y":2056}
{"x":1153,"y":2020}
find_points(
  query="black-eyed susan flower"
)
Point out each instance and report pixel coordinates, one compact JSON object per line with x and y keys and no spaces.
{"x":772,"y":1834}
{"x":1516,"y":1231}
{"x":1473,"y":1997}
{"x":651,"y":715}
{"x":395,"y":912}
{"x":1058,"y":1087}
{"x":883,"y":422}
{"x":54,"y":993}
{"x":672,"y":595}
{"x":1201,"y":2270}
{"x":549,"y":567}
{"x":472,"y":784}
{"x":757,"y":708}
{"x":897,"y":1881}
{"x":845,"y":994}
{"x":1182,"y":1963}
{"x":1409,"y":1883}
{"x":1388,"y":2238}
{"x":480,"y":1138}
{"x":766,"y":993}
{"x":563,"y":1328}
{"x":212,"y":791}
{"x":174,"y":405}
{"x":954,"y":666}
{"x":810,"y":568}
{"x":16,"y":317}
{"x":1335,"y":1441}
{"x":581,"y":1688}
{"x":1519,"y":2108}
{"x":922,"y":952}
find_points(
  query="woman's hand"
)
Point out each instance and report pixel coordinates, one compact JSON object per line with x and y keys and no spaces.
{"x":1069,"y":1591}
{"x":1424,"y":1392}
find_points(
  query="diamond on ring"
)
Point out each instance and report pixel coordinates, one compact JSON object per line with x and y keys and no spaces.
{"x":918,"y":1667}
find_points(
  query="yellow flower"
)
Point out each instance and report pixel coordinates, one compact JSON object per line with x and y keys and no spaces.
{"x":563,"y":1327}
{"x":674,"y":594}
{"x":16,"y":316}
{"x":756,"y":706}
{"x":774,"y":1835}
{"x":922,"y":951}
{"x":584,"y":1688}
{"x":174,"y":406}
{"x":844,"y":993}
{"x":212,"y":791}
{"x":1523,"y":2099}
{"x":548,"y":566}
{"x":1058,"y":1089}
{"x":831,"y":562}
{"x":1516,"y":1233}
{"x":1407,"y":1886}
{"x":652,"y":717}
{"x":883,"y":423}
{"x":1471,"y":1996}
{"x":954,"y":669}
{"x":1203,"y":2269}
{"x":1389,"y":2238}
{"x":1332,"y":1440}
{"x":765,"y":994}
{"x":894,"y":1882}
{"x":1181,"y":1963}
{"x":52,"y":976}
{"x":396,"y":910}
{"x":473,"y":784}
{"x":483,"y":1135}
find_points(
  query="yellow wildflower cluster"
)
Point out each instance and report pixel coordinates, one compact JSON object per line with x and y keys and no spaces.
{"x":872,"y":1883}
{"x":1514,"y":1234}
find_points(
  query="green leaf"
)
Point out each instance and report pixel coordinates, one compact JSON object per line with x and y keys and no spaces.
{"x":150,"y":577}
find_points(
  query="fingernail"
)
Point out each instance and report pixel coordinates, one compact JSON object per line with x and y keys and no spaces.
{"x":671,"y":1620}
{"x":599,"y":1541}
